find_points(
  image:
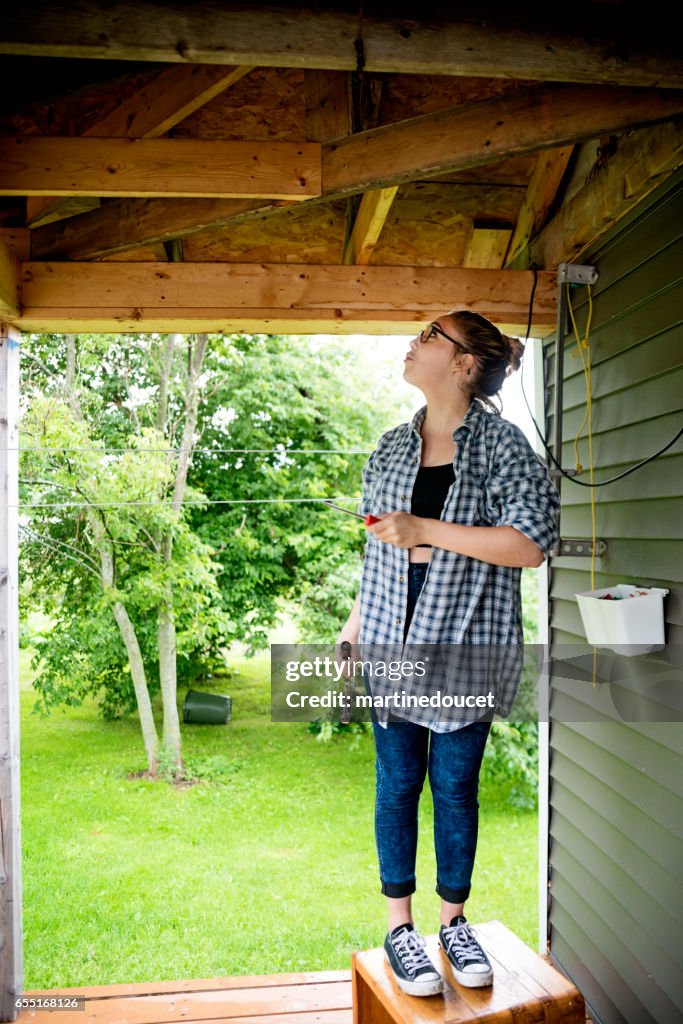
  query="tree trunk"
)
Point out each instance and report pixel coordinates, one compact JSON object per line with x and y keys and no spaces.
{"x":123,"y":620}
{"x":166,"y":632}
{"x":137,"y":672}
{"x":171,"y":739}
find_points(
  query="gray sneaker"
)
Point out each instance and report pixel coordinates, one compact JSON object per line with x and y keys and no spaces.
{"x":470,"y":964}
{"x":415,"y":973}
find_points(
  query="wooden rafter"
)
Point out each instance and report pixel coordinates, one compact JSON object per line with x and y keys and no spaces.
{"x":163,"y":102}
{"x":478,"y":133}
{"x":452,"y":140}
{"x":371,"y":217}
{"x":540,"y":196}
{"x":282,"y":35}
{"x":641,"y":162}
{"x":327,"y":97}
{"x":130,"y":223}
{"x":158,"y":167}
{"x":147,"y":294}
{"x":487,"y":246}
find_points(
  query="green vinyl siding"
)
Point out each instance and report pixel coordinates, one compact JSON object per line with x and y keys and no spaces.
{"x":616,"y":751}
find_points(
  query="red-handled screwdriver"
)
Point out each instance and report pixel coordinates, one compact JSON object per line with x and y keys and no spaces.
{"x":368,"y":520}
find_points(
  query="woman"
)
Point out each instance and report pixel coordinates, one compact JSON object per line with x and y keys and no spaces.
{"x":464,"y":504}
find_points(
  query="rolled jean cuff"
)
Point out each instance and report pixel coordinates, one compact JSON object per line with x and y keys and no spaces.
{"x":453,"y":895}
{"x":398,"y":889}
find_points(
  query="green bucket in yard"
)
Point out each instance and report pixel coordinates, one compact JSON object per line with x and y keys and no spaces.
{"x":206,"y":708}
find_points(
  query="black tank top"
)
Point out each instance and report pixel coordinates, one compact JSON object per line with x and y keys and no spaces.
{"x":429,"y":493}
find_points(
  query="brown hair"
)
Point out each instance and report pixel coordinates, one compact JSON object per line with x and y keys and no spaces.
{"x":496,"y":355}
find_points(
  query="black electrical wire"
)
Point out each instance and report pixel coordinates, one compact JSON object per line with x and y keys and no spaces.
{"x":568,"y":476}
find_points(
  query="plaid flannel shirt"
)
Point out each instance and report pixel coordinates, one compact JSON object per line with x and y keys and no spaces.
{"x":499,"y":481}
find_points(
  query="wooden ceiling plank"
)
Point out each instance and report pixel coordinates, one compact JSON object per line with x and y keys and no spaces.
{"x":642,"y":161}
{"x":457,"y":139}
{"x":487,"y":247}
{"x":540,"y":196}
{"x":526,"y":121}
{"x":296,"y":291}
{"x":34,"y":165}
{"x":10,"y":273}
{"x":373,"y":211}
{"x":432,"y":41}
{"x":162,"y":103}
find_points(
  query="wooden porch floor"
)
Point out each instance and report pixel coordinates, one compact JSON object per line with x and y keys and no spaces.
{"x":527,"y":988}
{"x":315,"y":997}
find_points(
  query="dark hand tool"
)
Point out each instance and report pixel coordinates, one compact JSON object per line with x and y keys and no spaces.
{"x":348,"y":685}
{"x":368,"y":520}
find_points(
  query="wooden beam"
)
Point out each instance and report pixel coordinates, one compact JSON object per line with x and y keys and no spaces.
{"x":162,"y":103}
{"x":541,"y":193}
{"x":11,"y":955}
{"x":33,"y":165}
{"x":132,"y":223}
{"x":370,"y":219}
{"x":478,"y":133}
{"x":602,"y":47}
{"x":327,"y":96}
{"x":642,"y":161}
{"x":452,"y":140}
{"x":149,"y":293}
{"x":487,"y":246}
{"x":9,"y":282}
{"x":19,"y":242}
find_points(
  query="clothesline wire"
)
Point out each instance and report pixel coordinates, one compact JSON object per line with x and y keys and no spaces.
{"x":206,"y":451}
{"x":208,"y":501}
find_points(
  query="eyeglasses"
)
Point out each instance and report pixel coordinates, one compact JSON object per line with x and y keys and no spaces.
{"x":434,"y":329}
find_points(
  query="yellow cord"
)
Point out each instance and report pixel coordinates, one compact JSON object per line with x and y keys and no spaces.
{"x":580,"y":346}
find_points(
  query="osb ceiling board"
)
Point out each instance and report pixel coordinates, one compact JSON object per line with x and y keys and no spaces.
{"x":73,"y":114}
{"x":268,"y":103}
{"x":413,"y":95}
{"x":310,"y":234}
{"x":430,"y":225}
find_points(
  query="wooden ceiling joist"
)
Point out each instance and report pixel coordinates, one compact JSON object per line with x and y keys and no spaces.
{"x":468,"y":136}
{"x":163,"y":102}
{"x":9,"y":281}
{"x":431,"y":40}
{"x":372,"y":214}
{"x":128,"y":224}
{"x":541,"y":194}
{"x":642,"y":161}
{"x":487,"y":246}
{"x":32,"y":165}
{"x":57,"y":295}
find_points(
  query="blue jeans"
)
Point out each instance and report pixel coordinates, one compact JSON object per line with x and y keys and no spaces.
{"x":405,"y":754}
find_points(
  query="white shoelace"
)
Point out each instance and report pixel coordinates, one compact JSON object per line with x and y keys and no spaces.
{"x":410,"y":948}
{"x":462,"y":937}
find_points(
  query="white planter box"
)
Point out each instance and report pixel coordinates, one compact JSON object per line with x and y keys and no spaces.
{"x":634,"y":625}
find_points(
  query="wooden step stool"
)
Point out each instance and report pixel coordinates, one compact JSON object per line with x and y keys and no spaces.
{"x":526,"y":988}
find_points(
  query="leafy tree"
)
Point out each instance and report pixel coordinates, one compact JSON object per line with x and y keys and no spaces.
{"x":143,"y":577}
{"x":110,"y":527}
{"x":312,"y":404}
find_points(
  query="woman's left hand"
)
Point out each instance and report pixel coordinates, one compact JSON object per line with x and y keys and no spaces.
{"x":399,"y":528}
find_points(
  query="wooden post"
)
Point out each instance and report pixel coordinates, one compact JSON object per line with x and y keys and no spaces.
{"x":10,"y":845}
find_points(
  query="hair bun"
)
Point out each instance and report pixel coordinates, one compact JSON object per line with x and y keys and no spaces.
{"x":515,"y":351}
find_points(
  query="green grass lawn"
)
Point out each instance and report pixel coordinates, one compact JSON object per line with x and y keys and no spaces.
{"x":270,"y":868}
